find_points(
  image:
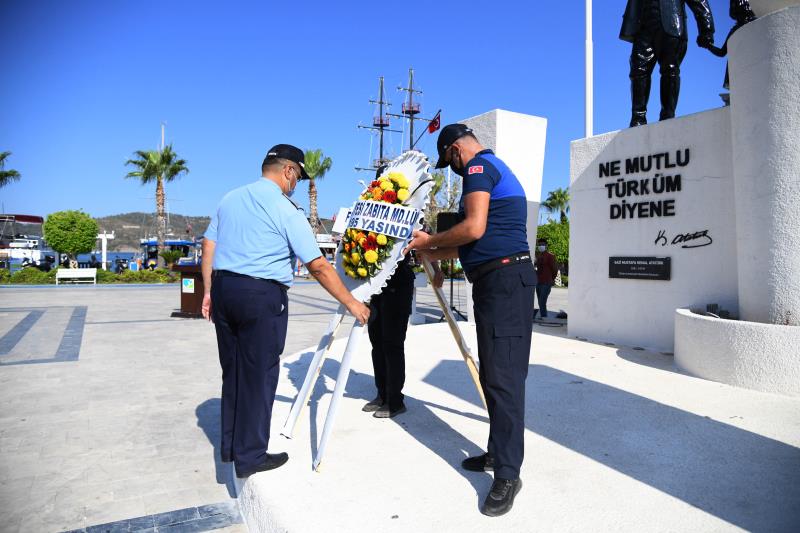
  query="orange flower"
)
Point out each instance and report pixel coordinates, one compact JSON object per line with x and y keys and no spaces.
{"x":377,"y":194}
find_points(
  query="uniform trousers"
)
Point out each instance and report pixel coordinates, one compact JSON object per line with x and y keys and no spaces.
{"x":250,"y":316}
{"x":503,"y":306}
{"x":387,"y":326}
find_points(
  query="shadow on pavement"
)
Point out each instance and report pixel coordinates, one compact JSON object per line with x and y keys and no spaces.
{"x":744,"y":478}
{"x":208,"y":419}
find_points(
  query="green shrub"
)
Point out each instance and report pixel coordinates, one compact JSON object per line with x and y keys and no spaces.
{"x":5,"y":276}
{"x":106,"y":276}
{"x":32,"y":276}
{"x":564,"y":280}
{"x":158,"y":275}
{"x":170,"y":256}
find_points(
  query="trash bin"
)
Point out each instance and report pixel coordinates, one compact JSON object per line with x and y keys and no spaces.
{"x":192,"y":289}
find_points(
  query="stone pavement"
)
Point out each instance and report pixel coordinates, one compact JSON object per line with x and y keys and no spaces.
{"x":110,"y":408}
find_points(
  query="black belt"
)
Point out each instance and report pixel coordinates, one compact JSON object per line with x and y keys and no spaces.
{"x":484,"y":268}
{"x":230,"y":274}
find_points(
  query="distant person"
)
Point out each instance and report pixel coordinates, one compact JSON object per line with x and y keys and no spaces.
{"x":249,"y":251}
{"x":65,"y":260}
{"x":93,"y":262}
{"x":546,"y":272}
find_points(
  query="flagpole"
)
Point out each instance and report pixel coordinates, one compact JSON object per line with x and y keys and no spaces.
{"x":589,"y":104}
{"x":426,"y":129}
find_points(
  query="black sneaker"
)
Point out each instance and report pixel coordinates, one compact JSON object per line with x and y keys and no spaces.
{"x":480,"y":463}
{"x":373,"y":406}
{"x":501,"y":497}
{"x":384,"y":411}
{"x":273,"y":461}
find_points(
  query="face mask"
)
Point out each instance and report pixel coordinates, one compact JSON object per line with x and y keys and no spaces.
{"x":290,"y":193}
{"x":542,"y":248}
{"x":454,"y":162}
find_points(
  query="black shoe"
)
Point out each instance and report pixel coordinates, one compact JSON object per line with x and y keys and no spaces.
{"x":384,"y":412}
{"x":373,"y":406}
{"x":501,"y":497}
{"x":273,"y":461}
{"x":480,"y":463}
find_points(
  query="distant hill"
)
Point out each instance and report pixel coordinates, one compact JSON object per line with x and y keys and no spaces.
{"x":128,"y":228}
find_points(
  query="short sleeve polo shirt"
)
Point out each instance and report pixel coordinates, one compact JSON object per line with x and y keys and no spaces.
{"x":259,"y":232}
{"x":505,"y":226}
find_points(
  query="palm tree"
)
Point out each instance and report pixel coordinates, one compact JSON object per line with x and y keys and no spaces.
{"x":159,"y":166}
{"x":316,"y":165}
{"x":6,"y":176}
{"x":558,"y":201}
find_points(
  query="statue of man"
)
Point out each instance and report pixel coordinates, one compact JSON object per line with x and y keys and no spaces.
{"x":657,"y":29}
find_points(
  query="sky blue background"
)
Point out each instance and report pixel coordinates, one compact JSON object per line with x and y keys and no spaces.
{"x":85,"y":83}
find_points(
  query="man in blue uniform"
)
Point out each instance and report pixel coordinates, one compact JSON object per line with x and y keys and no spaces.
{"x":492,"y":244}
{"x":248,"y":253}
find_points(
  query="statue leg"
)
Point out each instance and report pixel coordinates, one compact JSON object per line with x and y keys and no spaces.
{"x":642,"y":62}
{"x":672,"y":54}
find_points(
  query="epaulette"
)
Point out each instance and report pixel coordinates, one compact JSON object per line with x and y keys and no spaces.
{"x":292,"y":202}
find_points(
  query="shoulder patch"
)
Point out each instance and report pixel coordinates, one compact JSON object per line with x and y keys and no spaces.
{"x":477,"y":169}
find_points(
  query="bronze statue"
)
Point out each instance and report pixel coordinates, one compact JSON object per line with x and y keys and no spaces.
{"x":657,"y":29}
{"x":740,"y":12}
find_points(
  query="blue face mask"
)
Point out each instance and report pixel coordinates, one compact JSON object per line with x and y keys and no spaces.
{"x":290,"y":193}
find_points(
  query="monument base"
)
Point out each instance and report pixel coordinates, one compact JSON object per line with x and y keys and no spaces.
{"x":745,"y":354}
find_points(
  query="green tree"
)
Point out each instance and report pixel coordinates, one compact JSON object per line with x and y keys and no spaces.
{"x":157,"y":166}
{"x":70,"y":232}
{"x":557,"y":236}
{"x":6,"y":176}
{"x":558,"y":202}
{"x":442,"y":198}
{"x":316,"y":166}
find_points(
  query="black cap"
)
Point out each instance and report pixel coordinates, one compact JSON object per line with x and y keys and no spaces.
{"x":450,"y":134}
{"x":292,"y":153}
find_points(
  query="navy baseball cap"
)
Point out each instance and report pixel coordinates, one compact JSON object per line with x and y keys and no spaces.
{"x":292,"y":153}
{"x":450,"y":134}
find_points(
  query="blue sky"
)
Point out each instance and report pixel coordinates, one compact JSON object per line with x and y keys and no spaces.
{"x":85,"y":83}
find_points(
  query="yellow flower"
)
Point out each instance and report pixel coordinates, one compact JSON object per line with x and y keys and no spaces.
{"x":371,"y":256}
{"x":345,"y":259}
{"x":362,"y":272}
{"x":399,"y":179}
{"x":349,"y":272}
{"x":402,"y":195}
{"x":355,"y":258}
{"x":382,"y":240}
{"x":387,"y":185}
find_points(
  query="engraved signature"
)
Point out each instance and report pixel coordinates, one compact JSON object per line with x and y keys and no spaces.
{"x":696,"y":239}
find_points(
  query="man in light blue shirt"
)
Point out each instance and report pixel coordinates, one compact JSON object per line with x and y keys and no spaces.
{"x":249,"y":251}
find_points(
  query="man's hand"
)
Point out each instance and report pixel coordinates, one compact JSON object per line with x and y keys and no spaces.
{"x":420,"y":241}
{"x":206,"y":308}
{"x":359,"y":310}
{"x":705,"y":40}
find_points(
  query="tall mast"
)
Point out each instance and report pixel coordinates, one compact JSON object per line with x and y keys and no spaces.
{"x":380,"y":123}
{"x":410,"y":108}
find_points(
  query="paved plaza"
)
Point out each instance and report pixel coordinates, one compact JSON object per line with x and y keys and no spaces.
{"x":111,"y":408}
{"x":111,"y":416}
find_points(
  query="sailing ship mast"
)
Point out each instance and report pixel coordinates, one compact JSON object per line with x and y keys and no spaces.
{"x":380,"y":123}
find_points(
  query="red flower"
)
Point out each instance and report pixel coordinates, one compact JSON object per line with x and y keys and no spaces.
{"x":389,"y":196}
{"x":375,"y":183}
{"x":370,"y":246}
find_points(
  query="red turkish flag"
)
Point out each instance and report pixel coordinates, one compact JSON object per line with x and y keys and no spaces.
{"x":435,"y":123}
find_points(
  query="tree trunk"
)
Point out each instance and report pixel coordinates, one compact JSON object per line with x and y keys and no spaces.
{"x":563,"y":216}
{"x":312,"y":206}
{"x":161,"y":217}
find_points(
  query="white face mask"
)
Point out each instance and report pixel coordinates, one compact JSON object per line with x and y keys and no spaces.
{"x":542,"y":247}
